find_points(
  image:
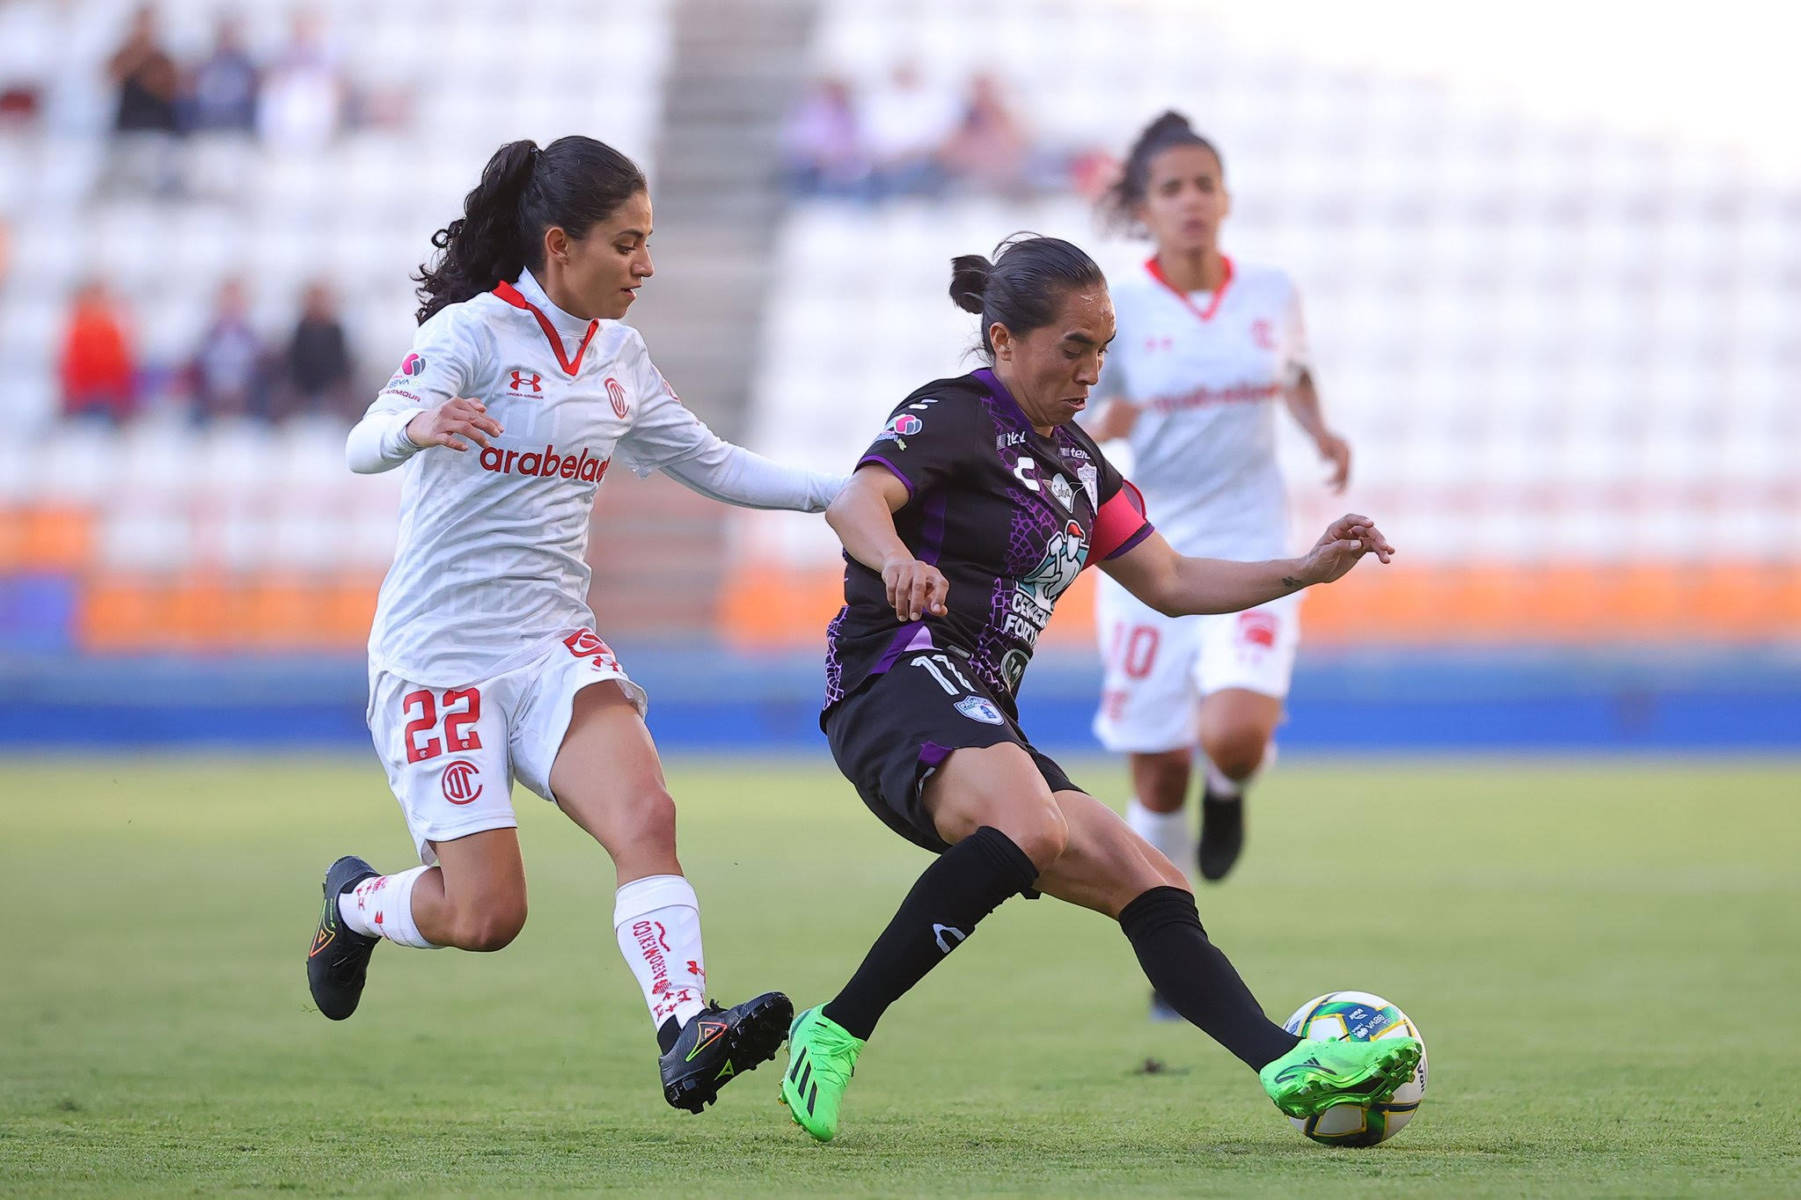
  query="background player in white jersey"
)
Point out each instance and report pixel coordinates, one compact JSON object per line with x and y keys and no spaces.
{"x":1207,"y":349}
{"x":521,"y":388}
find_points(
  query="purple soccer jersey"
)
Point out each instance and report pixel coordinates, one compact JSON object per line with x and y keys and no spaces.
{"x":1009,"y":515}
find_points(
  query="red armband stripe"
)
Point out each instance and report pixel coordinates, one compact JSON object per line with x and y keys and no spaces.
{"x":1120,"y":524}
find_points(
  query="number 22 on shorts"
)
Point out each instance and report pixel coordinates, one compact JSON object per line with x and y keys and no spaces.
{"x":462,"y":707}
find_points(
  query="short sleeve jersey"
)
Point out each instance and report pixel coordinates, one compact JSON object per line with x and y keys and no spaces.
{"x":1206,"y":370}
{"x":1009,"y":515}
{"x":491,"y":557}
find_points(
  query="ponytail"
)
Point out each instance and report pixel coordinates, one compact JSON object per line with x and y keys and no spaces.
{"x":1119,"y":204}
{"x":524,"y":190}
{"x":1024,"y":285}
{"x":969,"y":279}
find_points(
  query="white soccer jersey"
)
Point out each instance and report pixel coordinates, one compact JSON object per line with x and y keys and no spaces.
{"x":492,"y":552}
{"x":1206,"y":372}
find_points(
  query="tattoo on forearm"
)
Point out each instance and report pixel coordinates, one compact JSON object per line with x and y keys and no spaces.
{"x":1289,"y":581}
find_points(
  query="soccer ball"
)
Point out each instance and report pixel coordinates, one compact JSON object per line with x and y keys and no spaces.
{"x":1364,"y":1018}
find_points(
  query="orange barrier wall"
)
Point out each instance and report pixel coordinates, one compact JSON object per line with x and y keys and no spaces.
{"x":1731,"y":603}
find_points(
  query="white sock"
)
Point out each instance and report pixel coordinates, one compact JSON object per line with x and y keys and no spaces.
{"x":657,"y":921}
{"x":1220,"y":787}
{"x":383,"y":907}
{"x":1170,"y":833}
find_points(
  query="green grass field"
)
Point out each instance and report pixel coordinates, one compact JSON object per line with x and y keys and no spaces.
{"x":1603,"y":957}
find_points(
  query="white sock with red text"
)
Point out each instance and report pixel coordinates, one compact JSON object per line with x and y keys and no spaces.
{"x":657,"y":920}
{"x":1169,"y":833}
{"x":383,"y":907}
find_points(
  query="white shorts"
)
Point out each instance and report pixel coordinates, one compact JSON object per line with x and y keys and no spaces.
{"x":452,"y":753}
{"x":1158,"y":668}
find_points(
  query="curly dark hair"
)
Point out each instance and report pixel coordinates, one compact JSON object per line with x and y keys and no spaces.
{"x":573,"y":182}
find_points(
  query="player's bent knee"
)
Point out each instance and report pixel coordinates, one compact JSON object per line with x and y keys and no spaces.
{"x":651,"y":819}
{"x":1237,"y":751}
{"x":1042,"y":836}
{"x":490,"y":929}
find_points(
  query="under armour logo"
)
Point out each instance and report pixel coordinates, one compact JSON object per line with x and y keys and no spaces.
{"x":521,"y":381}
{"x":944,"y":947}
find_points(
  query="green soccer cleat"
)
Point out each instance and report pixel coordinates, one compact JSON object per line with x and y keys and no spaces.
{"x":821,"y":1059}
{"x":1318,"y":1074}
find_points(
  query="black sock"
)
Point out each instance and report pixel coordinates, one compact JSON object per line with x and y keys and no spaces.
{"x":968,"y":882}
{"x":1190,"y":972}
{"x":667,"y":1032}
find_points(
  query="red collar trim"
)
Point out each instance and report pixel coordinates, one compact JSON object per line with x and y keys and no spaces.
{"x":510,"y":294}
{"x":1206,"y":314}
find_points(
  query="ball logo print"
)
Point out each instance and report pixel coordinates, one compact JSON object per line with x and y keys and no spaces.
{"x":459,"y":783}
{"x":413,"y":364}
{"x":616,"y":393}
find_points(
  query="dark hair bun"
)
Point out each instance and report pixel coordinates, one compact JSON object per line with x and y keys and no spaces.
{"x":1171,"y":122}
{"x":969,"y":281}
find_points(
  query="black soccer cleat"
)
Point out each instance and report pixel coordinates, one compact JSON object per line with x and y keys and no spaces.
{"x":339,"y":959}
{"x":1222,"y":835}
{"x":719,"y":1044}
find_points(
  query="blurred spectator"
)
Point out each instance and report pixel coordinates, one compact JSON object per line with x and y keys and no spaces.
{"x":907,"y":123}
{"x":222,"y":88}
{"x":97,"y":370}
{"x":220,"y":112}
{"x":302,"y":103}
{"x":317,"y":369}
{"x":147,"y":79}
{"x":822,"y":144}
{"x":144,"y":123}
{"x":989,"y":149}
{"x":20,"y":104}
{"x":228,"y":371}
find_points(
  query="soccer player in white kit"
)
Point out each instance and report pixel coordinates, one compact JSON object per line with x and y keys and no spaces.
{"x":1207,"y":350}
{"x":522,"y":386}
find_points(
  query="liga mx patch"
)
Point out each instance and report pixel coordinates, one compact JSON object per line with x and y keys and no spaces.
{"x":413,"y":364}
{"x":980,"y":708}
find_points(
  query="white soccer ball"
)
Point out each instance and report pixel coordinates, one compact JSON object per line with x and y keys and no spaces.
{"x":1359,"y":1016}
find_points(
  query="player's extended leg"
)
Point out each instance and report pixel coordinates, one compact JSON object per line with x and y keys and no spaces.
{"x":474,"y":899}
{"x":1108,"y":868}
{"x":992,"y":805}
{"x":608,"y":779}
{"x":1235,"y":729}
{"x":1157,"y":813}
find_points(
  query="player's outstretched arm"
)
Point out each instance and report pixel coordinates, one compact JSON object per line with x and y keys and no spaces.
{"x":1176,"y":585}
{"x":383,"y":440}
{"x":863,"y":518}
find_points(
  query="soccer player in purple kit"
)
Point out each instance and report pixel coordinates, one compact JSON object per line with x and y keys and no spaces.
{"x":970,"y":514}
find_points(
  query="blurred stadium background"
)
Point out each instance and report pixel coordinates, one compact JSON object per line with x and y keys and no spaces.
{"x":1554,"y":296}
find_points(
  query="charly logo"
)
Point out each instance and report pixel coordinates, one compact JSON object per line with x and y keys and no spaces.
{"x":460,"y":784}
{"x":616,"y":393}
